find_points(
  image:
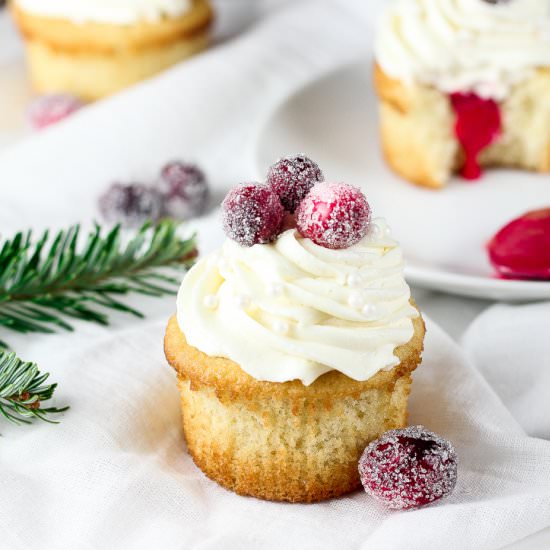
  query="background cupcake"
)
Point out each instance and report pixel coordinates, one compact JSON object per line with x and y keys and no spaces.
{"x":462,"y":85}
{"x":92,"y":48}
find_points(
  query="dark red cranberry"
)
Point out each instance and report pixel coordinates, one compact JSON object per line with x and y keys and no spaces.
{"x":46,"y":110}
{"x":130,"y":205}
{"x":478,"y":124}
{"x":252,"y":214}
{"x":334,"y":215}
{"x":408,"y":468}
{"x":521,"y":249}
{"x":184,"y":189}
{"x":292,"y":178}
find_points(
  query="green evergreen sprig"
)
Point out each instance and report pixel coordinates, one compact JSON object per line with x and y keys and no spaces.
{"x":23,"y":391}
{"x":45,"y":283}
{"x":42,"y":284}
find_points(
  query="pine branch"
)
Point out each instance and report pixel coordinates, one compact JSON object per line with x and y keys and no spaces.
{"x":22,"y":391}
{"x":44,"y":284}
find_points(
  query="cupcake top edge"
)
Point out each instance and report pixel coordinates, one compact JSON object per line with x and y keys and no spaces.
{"x":480,"y":46}
{"x":116,"y":12}
{"x":291,"y":309}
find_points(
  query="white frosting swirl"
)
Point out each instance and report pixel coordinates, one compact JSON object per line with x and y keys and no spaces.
{"x":116,"y":12}
{"x":464,"y":45}
{"x":295,"y":310}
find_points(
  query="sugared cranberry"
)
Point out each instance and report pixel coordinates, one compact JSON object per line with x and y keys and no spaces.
{"x":252,"y":214}
{"x":289,"y":222}
{"x":408,"y":468}
{"x":521,"y":249}
{"x":292,"y":178}
{"x":130,"y":205}
{"x":334,"y":215}
{"x":477,"y":125}
{"x":184,"y":189}
{"x":46,"y":110}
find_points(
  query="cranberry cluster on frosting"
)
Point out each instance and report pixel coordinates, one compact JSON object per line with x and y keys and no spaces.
{"x":332,"y":215}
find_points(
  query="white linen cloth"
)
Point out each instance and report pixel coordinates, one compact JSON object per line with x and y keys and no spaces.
{"x":510,"y":345}
{"x":115,"y":473}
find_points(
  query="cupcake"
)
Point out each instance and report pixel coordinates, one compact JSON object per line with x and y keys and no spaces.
{"x":463,"y":84}
{"x":92,"y":48}
{"x":294,"y":347}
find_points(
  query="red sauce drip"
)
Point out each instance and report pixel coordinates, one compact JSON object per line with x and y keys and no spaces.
{"x":521,"y":249}
{"x":478,"y":124}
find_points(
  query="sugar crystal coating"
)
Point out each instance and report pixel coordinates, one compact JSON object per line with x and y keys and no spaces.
{"x":334,"y":215}
{"x":130,"y":204}
{"x":184,"y":189}
{"x":46,"y":110}
{"x":252,"y":214}
{"x":292,"y":178}
{"x":408,"y":468}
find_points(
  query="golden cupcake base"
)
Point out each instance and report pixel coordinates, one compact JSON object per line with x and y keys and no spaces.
{"x":285,"y":441}
{"x":94,"y":60}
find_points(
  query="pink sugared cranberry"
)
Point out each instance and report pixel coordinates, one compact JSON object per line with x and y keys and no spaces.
{"x":334,"y":215}
{"x":408,"y":468}
{"x":521,"y":249}
{"x":184,"y":189}
{"x":292,"y":178}
{"x":252,"y":214}
{"x":46,"y":110}
{"x":477,"y":125}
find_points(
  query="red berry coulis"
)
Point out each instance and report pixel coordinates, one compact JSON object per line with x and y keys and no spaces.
{"x":521,"y":249}
{"x":478,"y":123}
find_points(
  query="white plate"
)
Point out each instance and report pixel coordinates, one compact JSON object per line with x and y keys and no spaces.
{"x":443,"y":233}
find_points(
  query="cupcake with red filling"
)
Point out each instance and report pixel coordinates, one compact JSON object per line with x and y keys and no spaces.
{"x":463,"y":84}
{"x":294,"y":343}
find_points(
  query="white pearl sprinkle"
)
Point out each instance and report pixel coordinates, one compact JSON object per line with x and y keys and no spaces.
{"x":356,"y":300}
{"x":280,"y":327}
{"x":387,"y":231}
{"x":210,"y":301}
{"x":275,"y":289}
{"x":354,"y":280}
{"x":369,"y":311}
{"x":243,"y":301}
{"x":374,"y":231}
